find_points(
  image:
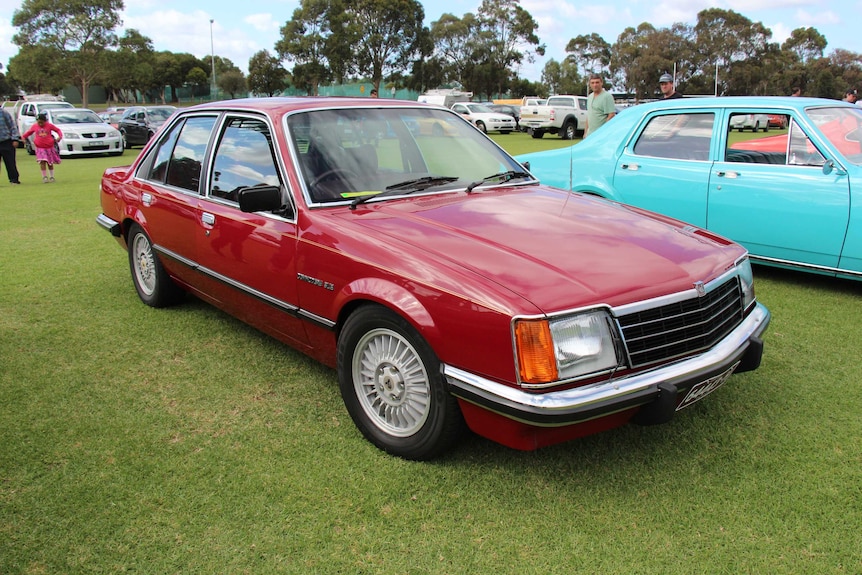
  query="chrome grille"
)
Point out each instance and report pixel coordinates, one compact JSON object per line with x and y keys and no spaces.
{"x":682,"y":328}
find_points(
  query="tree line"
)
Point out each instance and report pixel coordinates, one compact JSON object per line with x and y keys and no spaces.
{"x":63,"y":42}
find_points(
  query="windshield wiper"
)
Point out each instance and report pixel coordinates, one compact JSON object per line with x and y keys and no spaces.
{"x":503,"y":177}
{"x":406,"y":187}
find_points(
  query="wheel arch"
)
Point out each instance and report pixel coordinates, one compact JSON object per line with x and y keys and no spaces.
{"x":389,"y":295}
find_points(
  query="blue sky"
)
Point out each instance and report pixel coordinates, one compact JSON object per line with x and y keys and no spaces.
{"x":240,"y":29}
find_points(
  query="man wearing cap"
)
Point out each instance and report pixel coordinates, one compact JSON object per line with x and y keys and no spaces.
{"x":850,"y":95}
{"x":668,"y":92}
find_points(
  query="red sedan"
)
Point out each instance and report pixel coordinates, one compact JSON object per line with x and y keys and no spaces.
{"x":445,"y":285}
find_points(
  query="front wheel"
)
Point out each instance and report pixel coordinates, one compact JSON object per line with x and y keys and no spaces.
{"x":536,"y":133}
{"x":392,"y":387}
{"x":481,"y":126}
{"x":153,"y":284}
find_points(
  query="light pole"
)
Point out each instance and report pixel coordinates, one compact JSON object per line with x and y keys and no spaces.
{"x":212,"y":59}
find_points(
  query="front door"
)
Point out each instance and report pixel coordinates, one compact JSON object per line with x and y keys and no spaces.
{"x":773,"y":197}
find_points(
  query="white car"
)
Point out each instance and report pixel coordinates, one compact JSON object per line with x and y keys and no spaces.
{"x":753,"y":122}
{"x":485,"y":118}
{"x":84,"y":132}
{"x":29,"y":109}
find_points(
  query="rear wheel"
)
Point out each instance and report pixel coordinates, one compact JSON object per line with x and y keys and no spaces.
{"x":536,"y":133}
{"x":392,"y":386}
{"x":152,"y":282}
{"x":569,"y":130}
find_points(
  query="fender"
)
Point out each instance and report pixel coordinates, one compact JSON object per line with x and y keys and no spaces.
{"x":388,"y":294}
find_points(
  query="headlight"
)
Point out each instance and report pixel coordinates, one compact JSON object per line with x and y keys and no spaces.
{"x":746,"y":281}
{"x":567,"y":347}
{"x":113,"y":134}
{"x":71,"y":136}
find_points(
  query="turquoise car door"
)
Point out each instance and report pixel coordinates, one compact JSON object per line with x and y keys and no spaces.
{"x":773,"y":197}
{"x":665,"y":167}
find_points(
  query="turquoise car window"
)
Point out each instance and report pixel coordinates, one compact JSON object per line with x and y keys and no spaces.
{"x":677,"y":136}
{"x":842,"y":126}
{"x":802,"y":151}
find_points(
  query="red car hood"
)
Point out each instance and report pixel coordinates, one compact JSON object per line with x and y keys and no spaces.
{"x":555,"y":249}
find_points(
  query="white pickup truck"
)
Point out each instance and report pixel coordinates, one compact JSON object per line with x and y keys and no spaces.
{"x":563,"y":115}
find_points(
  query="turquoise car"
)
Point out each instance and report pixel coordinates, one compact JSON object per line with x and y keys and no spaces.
{"x":792,"y":196}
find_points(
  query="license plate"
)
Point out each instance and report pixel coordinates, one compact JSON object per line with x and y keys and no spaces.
{"x":704,"y":388}
{"x":96,"y":143}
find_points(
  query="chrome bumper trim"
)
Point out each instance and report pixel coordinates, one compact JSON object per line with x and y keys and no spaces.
{"x":557,"y":408}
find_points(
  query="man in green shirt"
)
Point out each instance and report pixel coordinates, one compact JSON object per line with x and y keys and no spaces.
{"x":600,"y":105}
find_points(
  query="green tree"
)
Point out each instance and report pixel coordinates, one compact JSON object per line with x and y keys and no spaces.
{"x":37,"y":69}
{"x":79,"y":30}
{"x":506,"y":38}
{"x":305,"y":42}
{"x":591,"y":53}
{"x":129,"y":68}
{"x":265,"y":74}
{"x":453,"y":40}
{"x":232,"y":82}
{"x":387,"y":34}
{"x":197,"y":79}
{"x":726,"y":39}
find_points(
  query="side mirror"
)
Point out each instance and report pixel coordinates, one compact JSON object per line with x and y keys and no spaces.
{"x":526,"y":166}
{"x":260,"y":199}
{"x":829,"y":166}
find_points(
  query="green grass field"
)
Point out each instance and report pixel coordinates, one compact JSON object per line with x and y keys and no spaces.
{"x":135,"y":440}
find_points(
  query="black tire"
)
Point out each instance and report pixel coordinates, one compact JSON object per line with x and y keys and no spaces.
{"x":126,"y":145}
{"x":504,"y":132}
{"x":392,"y":387}
{"x":537,"y":134}
{"x":570,"y":129}
{"x":481,"y":126}
{"x":153,"y":284}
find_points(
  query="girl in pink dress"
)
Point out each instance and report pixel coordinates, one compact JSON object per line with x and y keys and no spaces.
{"x":46,"y":145}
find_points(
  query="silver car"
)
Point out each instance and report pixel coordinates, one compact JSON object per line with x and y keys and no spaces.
{"x":84,"y":133}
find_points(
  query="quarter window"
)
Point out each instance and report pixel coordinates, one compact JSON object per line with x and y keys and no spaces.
{"x":677,"y":136}
{"x":179,"y":159}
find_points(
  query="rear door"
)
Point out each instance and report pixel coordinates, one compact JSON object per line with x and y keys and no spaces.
{"x":771,"y":195}
{"x":665,"y":166}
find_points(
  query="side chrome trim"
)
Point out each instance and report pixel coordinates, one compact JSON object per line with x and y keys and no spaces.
{"x":250,"y":291}
{"x":803,"y":266}
{"x":569,"y":406}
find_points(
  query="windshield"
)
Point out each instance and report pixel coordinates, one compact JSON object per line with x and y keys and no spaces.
{"x":159,"y":114}
{"x":75,"y":117}
{"x":843,"y":127}
{"x":349,"y":153}
{"x":480,"y":109}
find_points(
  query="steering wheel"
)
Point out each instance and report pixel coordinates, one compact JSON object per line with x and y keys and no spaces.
{"x":321,"y":190}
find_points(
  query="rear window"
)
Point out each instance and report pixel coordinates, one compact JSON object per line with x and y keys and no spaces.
{"x":677,"y":136}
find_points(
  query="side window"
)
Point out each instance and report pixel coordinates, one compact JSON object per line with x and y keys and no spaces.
{"x":677,"y":136}
{"x":180,"y":155}
{"x":244,"y":158}
{"x":582,"y":102}
{"x":163,"y":155}
{"x":802,"y":151}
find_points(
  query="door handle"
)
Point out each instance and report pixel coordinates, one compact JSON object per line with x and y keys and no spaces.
{"x":632,"y":167}
{"x":729,"y":175}
{"x":208,"y":219}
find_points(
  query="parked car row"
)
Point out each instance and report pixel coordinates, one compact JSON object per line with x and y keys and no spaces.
{"x":84,"y":131}
{"x":447,"y":287}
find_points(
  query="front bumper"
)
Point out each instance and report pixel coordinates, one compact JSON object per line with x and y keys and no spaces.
{"x":657,"y":388}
